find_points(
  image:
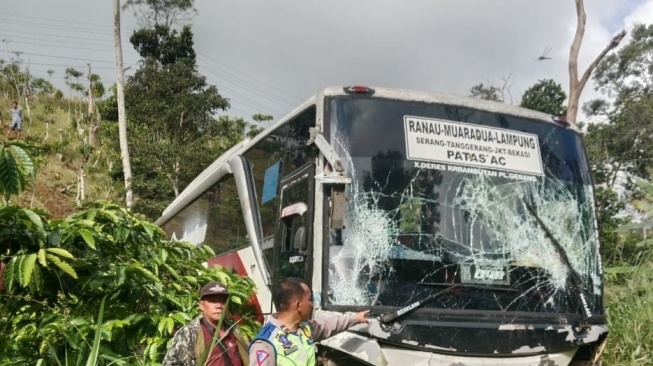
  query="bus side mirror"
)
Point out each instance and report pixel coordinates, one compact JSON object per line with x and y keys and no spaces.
{"x":338,"y":202}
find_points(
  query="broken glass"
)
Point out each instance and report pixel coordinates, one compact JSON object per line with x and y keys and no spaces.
{"x":412,"y":227}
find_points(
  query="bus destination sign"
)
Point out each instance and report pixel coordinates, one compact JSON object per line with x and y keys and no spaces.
{"x":467,"y":144}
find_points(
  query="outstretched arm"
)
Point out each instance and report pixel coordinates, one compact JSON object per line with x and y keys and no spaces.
{"x":328,"y":327}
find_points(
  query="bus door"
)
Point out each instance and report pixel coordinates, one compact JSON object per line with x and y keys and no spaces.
{"x":293,"y":248}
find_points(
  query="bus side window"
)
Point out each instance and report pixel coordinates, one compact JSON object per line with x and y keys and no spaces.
{"x":292,"y":258}
{"x":214,"y":219}
{"x":293,"y":250}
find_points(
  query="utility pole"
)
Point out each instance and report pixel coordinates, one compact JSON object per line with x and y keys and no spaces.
{"x":120,"y":94}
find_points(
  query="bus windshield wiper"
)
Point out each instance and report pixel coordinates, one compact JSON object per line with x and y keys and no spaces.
{"x":466,"y":285}
{"x":575,"y":278}
{"x":388,"y":317}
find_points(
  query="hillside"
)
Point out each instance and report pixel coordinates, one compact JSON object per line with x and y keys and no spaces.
{"x":54,"y":132}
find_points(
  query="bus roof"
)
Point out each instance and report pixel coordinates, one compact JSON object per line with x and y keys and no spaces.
{"x":447,"y":99}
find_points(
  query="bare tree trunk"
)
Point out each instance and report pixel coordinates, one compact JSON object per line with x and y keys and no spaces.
{"x":90,"y":92}
{"x":27,"y":93}
{"x":120,"y":93}
{"x":575,"y":85}
{"x":81,"y":193}
{"x":93,"y":127}
{"x":93,"y":117}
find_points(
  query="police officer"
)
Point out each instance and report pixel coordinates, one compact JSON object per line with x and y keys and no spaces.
{"x":191,"y":341}
{"x":289,"y":337}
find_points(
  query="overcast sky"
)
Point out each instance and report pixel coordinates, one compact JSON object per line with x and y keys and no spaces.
{"x":268,"y":56}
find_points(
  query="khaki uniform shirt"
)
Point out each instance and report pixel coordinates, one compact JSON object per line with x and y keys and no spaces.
{"x":321,"y":329}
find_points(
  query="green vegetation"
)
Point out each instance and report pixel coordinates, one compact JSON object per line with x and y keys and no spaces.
{"x":57,"y":275}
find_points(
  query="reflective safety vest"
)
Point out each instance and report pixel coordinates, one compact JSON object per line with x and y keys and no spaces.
{"x":291,"y":348}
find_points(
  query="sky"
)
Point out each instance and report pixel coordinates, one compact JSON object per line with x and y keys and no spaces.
{"x":268,"y":56}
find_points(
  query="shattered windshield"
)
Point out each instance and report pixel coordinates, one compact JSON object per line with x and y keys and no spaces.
{"x":439,"y":199}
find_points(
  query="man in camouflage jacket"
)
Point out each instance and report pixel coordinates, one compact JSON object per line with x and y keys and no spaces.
{"x":191,"y":341}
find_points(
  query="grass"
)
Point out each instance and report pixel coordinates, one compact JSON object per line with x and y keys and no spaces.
{"x":630,"y":316}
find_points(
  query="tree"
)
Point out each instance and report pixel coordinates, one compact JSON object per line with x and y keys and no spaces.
{"x":175,"y":133}
{"x":259,"y":118}
{"x":161,"y":12}
{"x":545,"y":96}
{"x":120,"y":94}
{"x":625,"y":143}
{"x":623,"y":146}
{"x":486,"y":92}
{"x":576,"y":85}
{"x":42,"y":86}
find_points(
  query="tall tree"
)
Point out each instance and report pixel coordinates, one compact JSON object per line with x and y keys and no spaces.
{"x":122,"y":119}
{"x":576,"y":85}
{"x":175,"y":133}
{"x":161,"y":12}
{"x":545,"y":96}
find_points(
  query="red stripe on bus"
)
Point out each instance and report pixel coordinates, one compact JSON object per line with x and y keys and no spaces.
{"x":234,"y":263}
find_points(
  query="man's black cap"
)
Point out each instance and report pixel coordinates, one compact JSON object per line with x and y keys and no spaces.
{"x":214,"y":288}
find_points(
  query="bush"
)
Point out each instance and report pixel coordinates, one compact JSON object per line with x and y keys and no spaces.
{"x":58,"y":273}
{"x":102,"y":279}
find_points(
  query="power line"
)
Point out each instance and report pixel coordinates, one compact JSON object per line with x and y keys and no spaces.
{"x":227,"y":74}
{"x":94,"y":25}
{"x":68,"y":47}
{"x":55,"y":35}
{"x":295,"y":99}
{"x":58,"y":39}
{"x":40,"y":25}
{"x":252,"y":88}
{"x":249,"y":86}
{"x":70,"y":65}
{"x":64,"y":57}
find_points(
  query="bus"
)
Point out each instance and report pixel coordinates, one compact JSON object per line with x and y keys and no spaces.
{"x":467,"y":227}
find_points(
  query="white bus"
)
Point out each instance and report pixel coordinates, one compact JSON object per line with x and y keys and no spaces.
{"x":466,"y":226}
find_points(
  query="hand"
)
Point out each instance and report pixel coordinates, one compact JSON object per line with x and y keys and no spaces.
{"x":362,"y":317}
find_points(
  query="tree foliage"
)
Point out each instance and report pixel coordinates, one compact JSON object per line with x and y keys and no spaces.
{"x":625,"y":142}
{"x":620,"y":150}
{"x":546,"y":96}
{"x":161,"y":12}
{"x":486,"y":92}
